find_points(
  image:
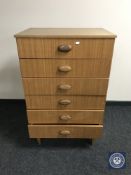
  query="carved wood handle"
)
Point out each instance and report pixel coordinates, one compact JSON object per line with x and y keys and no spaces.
{"x":65,"y":117}
{"x":64,"y":86}
{"x":64,"y":68}
{"x":65,"y":132}
{"x":64,"y":48}
{"x":65,"y":102}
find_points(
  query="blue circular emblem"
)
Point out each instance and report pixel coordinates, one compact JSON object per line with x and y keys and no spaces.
{"x":117,"y":160}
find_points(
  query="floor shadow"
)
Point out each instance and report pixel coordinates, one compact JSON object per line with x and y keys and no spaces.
{"x":13,"y":121}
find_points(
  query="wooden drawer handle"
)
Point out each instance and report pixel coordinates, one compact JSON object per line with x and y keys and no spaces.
{"x":65,"y":117}
{"x":65,"y":132}
{"x":64,"y":48}
{"x":64,"y":68}
{"x":64,"y":86}
{"x":65,"y":102}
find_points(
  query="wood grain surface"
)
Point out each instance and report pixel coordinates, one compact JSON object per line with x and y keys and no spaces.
{"x":66,"y":33}
{"x":92,"y":68}
{"x":66,"y":86}
{"x":77,"y":102}
{"x":73,"y":131}
{"x":48,"y":48}
{"x":65,"y":116}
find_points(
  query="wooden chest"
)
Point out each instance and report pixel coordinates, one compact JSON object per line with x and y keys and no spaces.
{"x":65,"y":75}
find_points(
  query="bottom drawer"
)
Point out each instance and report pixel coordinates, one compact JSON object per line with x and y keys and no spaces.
{"x":65,"y":131}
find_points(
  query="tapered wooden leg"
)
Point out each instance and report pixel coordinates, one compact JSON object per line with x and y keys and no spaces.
{"x":39,"y":141}
{"x":91,"y":141}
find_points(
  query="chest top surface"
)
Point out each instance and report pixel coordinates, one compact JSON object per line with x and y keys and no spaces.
{"x":66,"y":33}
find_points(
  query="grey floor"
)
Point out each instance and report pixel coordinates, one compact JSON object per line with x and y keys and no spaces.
{"x":21,"y":156}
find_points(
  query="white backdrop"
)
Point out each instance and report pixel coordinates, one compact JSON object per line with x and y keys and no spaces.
{"x":17,"y":15}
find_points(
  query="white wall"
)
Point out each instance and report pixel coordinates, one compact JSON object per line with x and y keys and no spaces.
{"x":17,"y":15}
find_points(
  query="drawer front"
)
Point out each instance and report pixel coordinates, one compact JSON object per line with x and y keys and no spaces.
{"x":65,"y":117}
{"x":73,"y":68}
{"x":64,"y":48}
{"x":66,"y":86}
{"x":65,"y":131}
{"x":65,"y":102}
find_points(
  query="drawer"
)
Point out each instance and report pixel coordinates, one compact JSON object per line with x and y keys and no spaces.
{"x":65,"y":86}
{"x":65,"y":131}
{"x":64,"y":48}
{"x":65,"y":102}
{"x":65,"y":68}
{"x":65,"y":116}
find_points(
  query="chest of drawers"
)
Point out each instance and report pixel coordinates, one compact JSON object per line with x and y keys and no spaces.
{"x":65,"y":74}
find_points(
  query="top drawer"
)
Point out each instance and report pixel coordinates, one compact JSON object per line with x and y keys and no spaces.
{"x":65,"y":48}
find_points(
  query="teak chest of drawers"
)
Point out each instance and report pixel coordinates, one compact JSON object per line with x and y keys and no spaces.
{"x":65,"y":75}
